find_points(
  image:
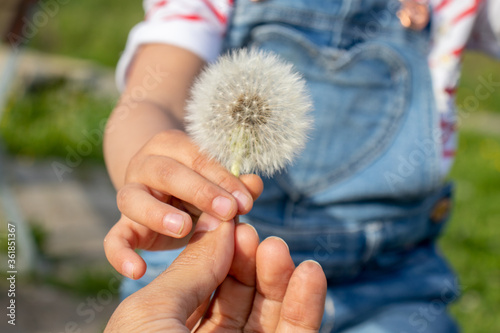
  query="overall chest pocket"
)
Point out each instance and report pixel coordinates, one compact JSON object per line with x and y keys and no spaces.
{"x":360,"y":97}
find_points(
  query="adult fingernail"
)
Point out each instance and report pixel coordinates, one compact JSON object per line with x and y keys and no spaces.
{"x":128,"y":269}
{"x":222,"y":206}
{"x":251,"y":227}
{"x":174,"y":223}
{"x":207,"y":223}
{"x":243,"y":200}
{"x":314,"y":262}
{"x":280,"y":239}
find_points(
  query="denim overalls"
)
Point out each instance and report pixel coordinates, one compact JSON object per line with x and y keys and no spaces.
{"x":366,"y":197}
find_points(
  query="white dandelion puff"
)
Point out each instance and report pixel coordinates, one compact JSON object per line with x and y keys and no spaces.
{"x":250,"y":111}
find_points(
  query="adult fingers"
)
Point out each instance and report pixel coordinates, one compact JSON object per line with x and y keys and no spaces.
{"x":253,"y":184}
{"x":168,"y":301}
{"x":243,"y":267}
{"x":274,"y":269}
{"x":233,"y":300}
{"x":304,"y":302}
{"x":197,"y":271}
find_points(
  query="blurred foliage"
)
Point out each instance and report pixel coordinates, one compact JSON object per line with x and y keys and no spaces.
{"x":473,"y":94}
{"x":83,"y":281}
{"x":40,"y":236}
{"x":90,"y":29}
{"x":471,"y":240}
{"x":38,"y":233}
{"x":55,"y":119}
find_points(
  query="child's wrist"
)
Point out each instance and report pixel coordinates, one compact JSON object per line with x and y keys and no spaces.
{"x":128,"y":104}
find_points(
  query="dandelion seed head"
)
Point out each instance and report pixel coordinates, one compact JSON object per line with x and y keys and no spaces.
{"x":252,"y":108}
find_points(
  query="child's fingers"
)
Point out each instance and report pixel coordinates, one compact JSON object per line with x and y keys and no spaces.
{"x":168,"y":176}
{"x":126,"y":236}
{"x":136,"y":202}
{"x":178,"y":146}
{"x":119,"y":246}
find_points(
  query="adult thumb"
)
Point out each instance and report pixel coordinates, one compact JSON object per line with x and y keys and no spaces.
{"x":187,"y":283}
{"x":200,"y":268}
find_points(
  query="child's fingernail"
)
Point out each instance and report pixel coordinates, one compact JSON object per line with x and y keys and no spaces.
{"x":128,"y":269}
{"x":243,"y":200}
{"x":222,"y":206}
{"x":207,"y":223}
{"x":174,"y":223}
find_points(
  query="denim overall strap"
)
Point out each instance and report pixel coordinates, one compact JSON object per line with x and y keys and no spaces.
{"x":374,"y":116}
{"x":372,"y":165}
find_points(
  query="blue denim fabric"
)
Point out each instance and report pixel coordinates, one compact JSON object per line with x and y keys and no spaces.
{"x":360,"y":196}
{"x":157,"y":262}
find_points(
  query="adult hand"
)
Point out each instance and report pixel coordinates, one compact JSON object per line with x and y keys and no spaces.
{"x":257,"y":287}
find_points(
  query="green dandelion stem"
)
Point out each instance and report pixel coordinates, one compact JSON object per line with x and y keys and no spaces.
{"x":238,"y":150}
{"x":235,"y":169}
{"x":238,"y":153}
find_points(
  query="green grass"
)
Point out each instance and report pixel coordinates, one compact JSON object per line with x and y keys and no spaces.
{"x":471,"y":239}
{"x":471,"y":95}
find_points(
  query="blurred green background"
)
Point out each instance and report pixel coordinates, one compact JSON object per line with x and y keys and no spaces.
{"x":47,"y":118}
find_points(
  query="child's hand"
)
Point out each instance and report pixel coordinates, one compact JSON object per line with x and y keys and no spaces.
{"x":168,"y":184}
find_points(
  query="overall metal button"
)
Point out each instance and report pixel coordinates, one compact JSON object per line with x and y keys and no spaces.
{"x":414,"y":14}
{"x":441,"y":210}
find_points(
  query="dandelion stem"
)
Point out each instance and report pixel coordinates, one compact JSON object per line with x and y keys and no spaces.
{"x":238,"y":150}
{"x":236,"y":166}
{"x":238,"y":153}
{"x":235,"y":169}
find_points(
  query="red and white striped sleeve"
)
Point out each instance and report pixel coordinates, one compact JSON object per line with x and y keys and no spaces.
{"x":196,"y":25}
{"x":452,"y":23}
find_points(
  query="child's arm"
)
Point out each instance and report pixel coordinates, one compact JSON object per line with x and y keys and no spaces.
{"x":163,"y":181}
